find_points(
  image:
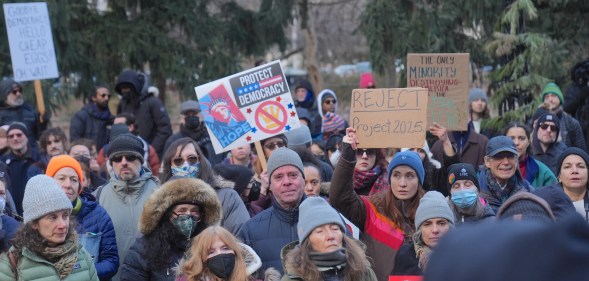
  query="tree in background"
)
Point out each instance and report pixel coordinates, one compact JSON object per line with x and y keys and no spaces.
{"x":185,"y":41}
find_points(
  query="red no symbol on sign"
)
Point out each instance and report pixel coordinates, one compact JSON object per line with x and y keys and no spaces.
{"x":271,"y":117}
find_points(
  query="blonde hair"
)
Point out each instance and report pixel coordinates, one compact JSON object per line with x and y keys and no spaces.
{"x":195,"y":267}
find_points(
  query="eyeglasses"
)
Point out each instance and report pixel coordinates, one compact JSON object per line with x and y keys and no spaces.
{"x":546,"y":126}
{"x":104,"y":95}
{"x":503,"y":155}
{"x":369,"y":152}
{"x":17,"y":135}
{"x":119,"y":158}
{"x":273,"y":145}
{"x":179,"y":161}
{"x":330,"y":101}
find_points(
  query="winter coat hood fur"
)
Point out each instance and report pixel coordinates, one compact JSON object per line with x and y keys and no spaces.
{"x":185,"y":190}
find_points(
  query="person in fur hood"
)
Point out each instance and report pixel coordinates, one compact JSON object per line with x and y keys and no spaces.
{"x":216,"y":255}
{"x":172,"y":216}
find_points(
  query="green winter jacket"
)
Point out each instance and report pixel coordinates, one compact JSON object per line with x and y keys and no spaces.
{"x":33,"y":267}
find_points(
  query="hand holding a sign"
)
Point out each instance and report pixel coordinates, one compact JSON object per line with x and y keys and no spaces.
{"x":264,"y":181}
{"x":351,"y":138}
{"x":442,"y":133}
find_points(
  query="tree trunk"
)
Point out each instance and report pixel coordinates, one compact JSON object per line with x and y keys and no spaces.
{"x":310,"y":60}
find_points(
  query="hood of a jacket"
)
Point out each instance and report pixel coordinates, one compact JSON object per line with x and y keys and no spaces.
{"x":184,"y":190}
{"x":320,"y":101}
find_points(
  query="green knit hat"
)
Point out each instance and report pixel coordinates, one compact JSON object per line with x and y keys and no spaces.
{"x":552,"y":88}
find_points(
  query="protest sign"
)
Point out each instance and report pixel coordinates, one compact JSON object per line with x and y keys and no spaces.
{"x":30,"y":41}
{"x":446,"y":76}
{"x":248,"y":106}
{"x":393,"y":117}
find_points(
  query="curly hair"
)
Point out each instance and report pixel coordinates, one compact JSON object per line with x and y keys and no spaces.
{"x":57,"y":133}
{"x":298,"y":261}
{"x":28,"y":237}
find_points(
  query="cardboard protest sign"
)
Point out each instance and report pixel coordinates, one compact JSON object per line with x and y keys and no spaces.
{"x":446,"y":76}
{"x":248,"y":106}
{"x":30,"y":41}
{"x":393,"y":117}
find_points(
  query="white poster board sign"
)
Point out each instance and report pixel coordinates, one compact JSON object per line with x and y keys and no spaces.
{"x":248,"y":106}
{"x":30,"y":41}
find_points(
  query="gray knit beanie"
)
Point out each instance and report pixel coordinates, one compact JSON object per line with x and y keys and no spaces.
{"x":126,"y":144}
{"x":282,"y":157}
{"x":315,"y":212}
{"x":299,"y":137}
{"x":43,"y":195}
{"x":475,"y":94}
{"x":433,"y":205}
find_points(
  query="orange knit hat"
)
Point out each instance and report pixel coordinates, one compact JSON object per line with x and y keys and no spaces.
{"x":62,"y":161}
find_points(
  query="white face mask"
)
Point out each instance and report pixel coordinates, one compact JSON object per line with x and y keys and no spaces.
{"x":334,"y":157}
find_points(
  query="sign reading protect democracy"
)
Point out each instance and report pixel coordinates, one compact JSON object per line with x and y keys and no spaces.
{"x":30,"y":41}
{"x":248,"y":106}
{"x":446,"y":76}
{"x":395,"y":117}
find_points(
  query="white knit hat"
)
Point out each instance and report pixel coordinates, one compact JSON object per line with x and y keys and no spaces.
{"x":43,"y":195}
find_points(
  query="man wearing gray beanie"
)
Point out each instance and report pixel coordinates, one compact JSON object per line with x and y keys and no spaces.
{"x":433,"y":219}
{"x":275,"y":227}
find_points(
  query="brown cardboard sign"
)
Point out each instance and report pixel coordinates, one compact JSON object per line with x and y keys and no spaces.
{"x":446,"y":76}
{"x":394,"y":117}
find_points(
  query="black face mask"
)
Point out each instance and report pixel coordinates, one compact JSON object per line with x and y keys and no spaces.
{"x":254,"y":191}
{"x":192,"y":122}
{"x":222,"y":265}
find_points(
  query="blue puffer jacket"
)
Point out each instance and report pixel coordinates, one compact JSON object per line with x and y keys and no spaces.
{"x":97,"y":235}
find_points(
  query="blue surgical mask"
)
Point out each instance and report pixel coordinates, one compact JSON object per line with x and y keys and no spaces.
{"x":186,"y":170}
{"x":464,"y":198}
{"x":2,"y":204}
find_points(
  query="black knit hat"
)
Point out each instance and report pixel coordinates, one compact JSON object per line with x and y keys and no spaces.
{"x":238,"y":174}
{"x":462,"y":171}
{"x":126,"y":144}
{"x":117,"y":130}
{"x":6,"y":87}
{"x":18,"y":125}
{"x":570,"y":151}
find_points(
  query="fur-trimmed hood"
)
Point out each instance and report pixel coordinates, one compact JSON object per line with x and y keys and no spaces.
{"x":180,"y":190}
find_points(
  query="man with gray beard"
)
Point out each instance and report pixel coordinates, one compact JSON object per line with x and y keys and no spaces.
{"x":13,"y":108}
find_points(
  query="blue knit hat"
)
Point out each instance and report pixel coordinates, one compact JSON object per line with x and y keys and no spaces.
{"x":407,"y":158}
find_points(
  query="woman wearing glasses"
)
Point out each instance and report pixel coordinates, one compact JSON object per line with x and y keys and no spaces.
{"x":183,"y":158}
{"x":172,"y":216}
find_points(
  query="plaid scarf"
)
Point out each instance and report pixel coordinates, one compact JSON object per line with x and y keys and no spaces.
{"x":371,"y":181}
{"x":498,"y":195}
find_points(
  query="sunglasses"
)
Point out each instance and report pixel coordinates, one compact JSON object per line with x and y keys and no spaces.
{"x":330,"y":101}
{"x":546,"y":126}
{"x":14,"y":92}
{"x":17,"y":135}
{"x":179,"y":161}
{"x":273,"y":145}
{"x":104,"y":95}
{"x":369,"y":152}
{"x":119,"y":158}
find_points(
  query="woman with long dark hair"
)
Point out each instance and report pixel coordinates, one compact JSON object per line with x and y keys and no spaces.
{"x":534,"y":171}
{"x":183,"y":158}
{"x":172,"y":216}
{"x":386,"y":218}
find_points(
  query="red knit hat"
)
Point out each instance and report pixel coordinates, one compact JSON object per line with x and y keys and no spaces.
{"x":62,"y":161}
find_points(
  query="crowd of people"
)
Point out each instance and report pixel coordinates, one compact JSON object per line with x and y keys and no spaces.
{"x":126,"y":198}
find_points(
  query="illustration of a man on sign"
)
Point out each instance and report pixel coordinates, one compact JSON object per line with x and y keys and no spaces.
{"x":222,"y":116}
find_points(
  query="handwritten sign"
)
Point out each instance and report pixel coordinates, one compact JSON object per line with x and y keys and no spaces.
{"x":446,"y":76}
{"x":30,"y":41}
{"x":248,"y":106}
{"x":393,"y":117}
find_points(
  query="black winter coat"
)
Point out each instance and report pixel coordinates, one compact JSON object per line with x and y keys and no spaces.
{"x":27,"y":115}
{"x":137,"y":268}
{"x":406,"y":262}
{"x":87,"y":124}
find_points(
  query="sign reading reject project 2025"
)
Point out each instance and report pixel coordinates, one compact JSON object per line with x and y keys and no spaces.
{"x":30,"y":41}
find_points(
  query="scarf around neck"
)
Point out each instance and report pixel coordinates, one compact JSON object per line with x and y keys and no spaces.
{"x":328,"y":260}
{"x":64,"y":256}
{"x":370,"y":182}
